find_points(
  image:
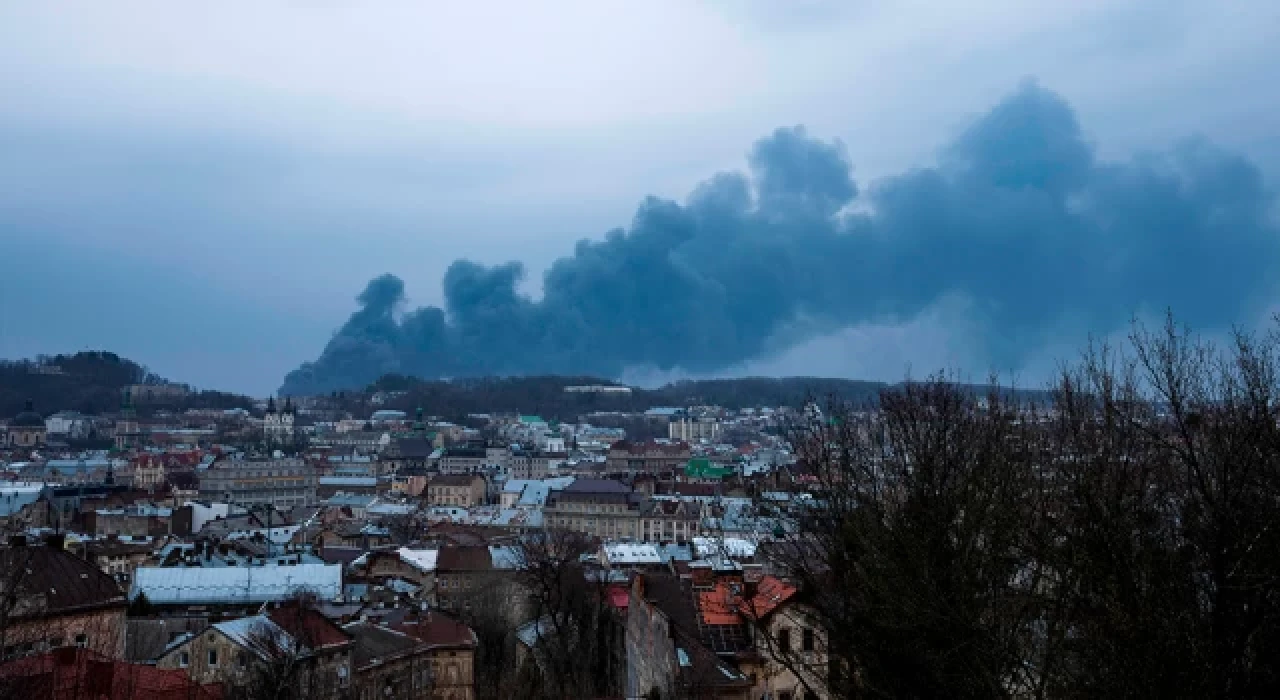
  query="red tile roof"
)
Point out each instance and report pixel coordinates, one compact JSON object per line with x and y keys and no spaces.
{"x":436,"y":629}
{"x":309,"y":627}
{"x":76,"y":674}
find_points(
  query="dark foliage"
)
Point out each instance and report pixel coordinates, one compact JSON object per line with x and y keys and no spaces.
{"x":91,"y":383}
{"x":1123,"y":541}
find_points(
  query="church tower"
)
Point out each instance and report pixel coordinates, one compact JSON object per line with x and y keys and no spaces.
{"x":128,"y":434}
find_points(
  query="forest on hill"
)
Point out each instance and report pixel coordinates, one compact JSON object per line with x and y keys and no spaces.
{"x":546,"y":395}
{"x":93,"y":382}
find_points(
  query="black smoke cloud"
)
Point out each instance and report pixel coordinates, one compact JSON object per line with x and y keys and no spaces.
{"x":1019,"y":218}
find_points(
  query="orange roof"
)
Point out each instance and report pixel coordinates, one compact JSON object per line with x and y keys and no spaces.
{"x":770,"y":593}
{"x":722,"y":606}
{"x":719,"y":606}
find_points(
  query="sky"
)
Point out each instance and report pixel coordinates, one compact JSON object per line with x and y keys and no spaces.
{"x":206,"y":189}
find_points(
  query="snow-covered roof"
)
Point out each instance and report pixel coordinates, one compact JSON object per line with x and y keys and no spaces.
{"x":734,"y":547}
{"x":421,"y":559}
{"x":235,"y":584}
{"x":631,"y":553}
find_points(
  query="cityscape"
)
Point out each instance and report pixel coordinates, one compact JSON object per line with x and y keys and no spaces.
{"x":663,"y":350}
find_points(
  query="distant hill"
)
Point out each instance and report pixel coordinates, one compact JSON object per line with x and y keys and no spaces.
{"x":546,"y":396}
{"x":94,"y":382}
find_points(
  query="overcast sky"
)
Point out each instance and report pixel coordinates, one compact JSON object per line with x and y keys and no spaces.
{"x":206,"y":187}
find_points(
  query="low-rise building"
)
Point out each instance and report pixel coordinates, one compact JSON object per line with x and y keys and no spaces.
{"x":58,"y":600}
{"x":291,"y":639}
{"x":650,"y":457}
{"x":464,"y":490}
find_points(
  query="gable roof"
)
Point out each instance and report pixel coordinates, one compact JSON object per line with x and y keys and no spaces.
{"x":375,"y":643}
{"x":57,"y":581}
{"x":463,"y":558}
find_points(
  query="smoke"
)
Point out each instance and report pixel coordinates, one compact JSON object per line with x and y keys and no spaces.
{"x":1018,"y":218}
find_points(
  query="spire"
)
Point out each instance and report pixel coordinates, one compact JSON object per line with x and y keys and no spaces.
{"x":29,"y":406}
{"x":288,"y":405}
{"x":271,"y":405}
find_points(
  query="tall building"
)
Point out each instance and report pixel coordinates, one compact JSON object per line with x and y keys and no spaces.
{"x":128,"y":432}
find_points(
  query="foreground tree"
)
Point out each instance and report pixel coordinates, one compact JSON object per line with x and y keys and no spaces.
{"x":1119,"y":536}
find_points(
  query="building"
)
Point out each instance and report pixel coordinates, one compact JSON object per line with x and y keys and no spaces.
{"x":236,"y":585}
{"x":289,"y":640}
{"x":128,"y":434}
{"x":666,"y":521}
{"x":70,"y":673}
{"x":68,"y":425}
{"x":687,"y":428}
{"x":389,"y":664}
{"x":283,"y":483}
{"x":137,"y":520}
{"x":597,"y":507}
{"x":27,"y":429}
{"x":465,"y":490}
{"x":451,"y":648}
{"x":463,"y":460}
{"x":461,"y":572}
{"x":22,"y":505}
{"x":278,"y":426}
{"x":146,"y":471}
{"x":647,"y":457}
{"x":55,"y":599}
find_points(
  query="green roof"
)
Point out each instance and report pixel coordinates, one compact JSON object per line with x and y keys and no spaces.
{"x":702,"y":468}
{"x":531,"y":419}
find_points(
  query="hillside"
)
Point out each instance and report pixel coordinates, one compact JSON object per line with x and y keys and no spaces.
{"x":93,"y":382}
{"x":545,"y":396}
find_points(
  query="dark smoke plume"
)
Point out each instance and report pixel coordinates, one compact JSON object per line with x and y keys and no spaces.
{"x":1018,"y":217}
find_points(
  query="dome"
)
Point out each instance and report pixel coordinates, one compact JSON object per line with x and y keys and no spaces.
{"x":27,"y":419}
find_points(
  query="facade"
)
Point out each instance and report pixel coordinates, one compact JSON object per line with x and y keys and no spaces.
{"x":70,"y":425}
{"x":463,"y":460}
{"x":596,"y":507}
{"x":27,"y":429}
{"x":56,"y":600}
{"x":283,"y":483}
{"x":465,"y":490}
{"x":686,"y":428}
{"x":461,"y":572}
{"x":288,"y":639}
{"x":647,"y":457}
{"x":451,"y":648}
{"x":277,"y":426}
{"x":134,"y":521}
{"x":146,"y":471}
{"x":666,"y":521}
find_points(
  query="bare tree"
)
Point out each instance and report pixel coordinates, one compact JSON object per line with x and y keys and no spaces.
{"x":1120,"y":537}
{"x":578,"y":648}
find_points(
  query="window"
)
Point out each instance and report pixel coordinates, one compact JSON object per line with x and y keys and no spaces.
{"x":213,"y":657}
{"x":242,"y":660}
{"x":82,"y":640}
{"x":184,"y":660}
{"x":810,"y":695}
{"x":784,"y":695}
{"x":784,"y":639}
{"x":806,"y":642}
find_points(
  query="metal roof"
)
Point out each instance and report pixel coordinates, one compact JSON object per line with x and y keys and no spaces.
{"x":235,"y":584}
